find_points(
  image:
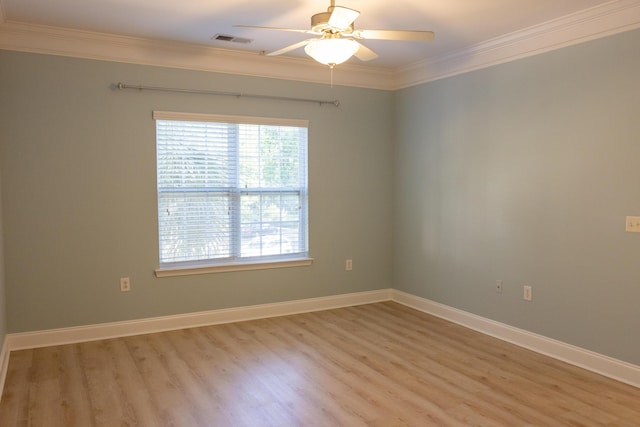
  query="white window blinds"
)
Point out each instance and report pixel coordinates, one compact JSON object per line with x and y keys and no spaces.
{"x":230,"y":189}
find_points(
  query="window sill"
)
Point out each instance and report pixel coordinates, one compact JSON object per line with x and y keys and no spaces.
{"x":224,"y":268}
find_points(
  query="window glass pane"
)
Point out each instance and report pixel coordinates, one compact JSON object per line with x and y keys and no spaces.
{"x":192,"y":154}
{"x":194,"y":226}
{"x":270,"y":224}
{"x":270,"y":156}
{"x":228,"y":191}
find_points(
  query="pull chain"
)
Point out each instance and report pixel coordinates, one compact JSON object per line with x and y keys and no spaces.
{"x":331,"y":72}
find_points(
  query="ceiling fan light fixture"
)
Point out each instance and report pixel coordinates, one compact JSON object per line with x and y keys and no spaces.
{"x":332,"y":51}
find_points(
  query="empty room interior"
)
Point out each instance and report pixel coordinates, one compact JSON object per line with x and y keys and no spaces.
{"x":205,"y":223}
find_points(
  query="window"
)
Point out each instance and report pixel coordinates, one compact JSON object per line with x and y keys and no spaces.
{"x":231,"y":190}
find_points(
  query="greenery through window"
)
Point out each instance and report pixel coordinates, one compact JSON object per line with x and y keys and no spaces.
{"x":230,"y":189}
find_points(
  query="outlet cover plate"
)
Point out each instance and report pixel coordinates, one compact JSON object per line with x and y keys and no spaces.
{"x":633,"y":224}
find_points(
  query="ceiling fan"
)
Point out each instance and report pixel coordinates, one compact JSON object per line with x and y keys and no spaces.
{"x":337,"y":37}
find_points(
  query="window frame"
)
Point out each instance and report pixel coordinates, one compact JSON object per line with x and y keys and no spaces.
{"x":169,"y":269}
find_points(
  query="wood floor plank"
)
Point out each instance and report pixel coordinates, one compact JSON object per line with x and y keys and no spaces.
{"x":16,"y":392}
{"x":518,"y":371}
{"x":109,"y":384}
{"x":45,"y":404}
{"x":426,"y":377}
{"x":451,"y":366}
{"x":344,"y":401}
{"x":399,"y":370}
{"x":372,"y":384}
{"x":197,"y":369}
{"x":372,"y":365}
{"x":281,"y":371}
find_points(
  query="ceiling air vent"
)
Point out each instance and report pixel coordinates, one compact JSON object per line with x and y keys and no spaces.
{"x":228,"y":38}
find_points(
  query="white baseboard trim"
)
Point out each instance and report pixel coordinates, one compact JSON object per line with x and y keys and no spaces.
{"x":595,"y":362}
{"x":604,"y":365}
{"x":26,"y":340}
{"x":4,"y":363}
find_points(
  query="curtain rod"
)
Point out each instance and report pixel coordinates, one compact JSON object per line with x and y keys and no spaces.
{"x":335,"y":102}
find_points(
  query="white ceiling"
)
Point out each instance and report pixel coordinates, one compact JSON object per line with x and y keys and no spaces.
{"x":458,"y":24}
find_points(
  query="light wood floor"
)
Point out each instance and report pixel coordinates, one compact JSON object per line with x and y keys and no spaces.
{"x":373,"y":365}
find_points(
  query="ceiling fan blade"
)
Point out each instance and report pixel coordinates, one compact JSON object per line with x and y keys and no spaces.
{"x":342,"y":17}
{"x":404,"y":35}
{"x":289,"y":48}
{"x":295,"y":30}
{"x":364,"y":53}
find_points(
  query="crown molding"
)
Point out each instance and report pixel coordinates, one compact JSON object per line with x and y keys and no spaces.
{"x":596,"y":22}
{"x":33,"y":38}
{"x":603,"y":20}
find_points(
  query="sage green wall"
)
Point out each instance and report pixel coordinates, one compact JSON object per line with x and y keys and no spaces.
{"x":78,"y":175}
{"x":524,"y":172}
{"x":3,"y":304}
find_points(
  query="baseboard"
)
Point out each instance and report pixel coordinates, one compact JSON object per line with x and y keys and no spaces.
{"x":604,"y":365}
{"x":4,"y":363}
{"x":595,"y":362}
{"x":19,"y":341}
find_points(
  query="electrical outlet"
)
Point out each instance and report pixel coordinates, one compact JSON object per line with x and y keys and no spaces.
{"x":633,"y":224}
{"x":348,"y":265}
{"x":125,"y":284}
{"x":498,"y":286}
{"x":527,"y":295}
